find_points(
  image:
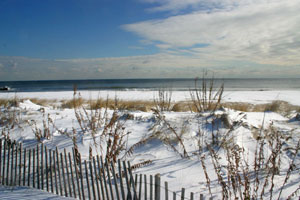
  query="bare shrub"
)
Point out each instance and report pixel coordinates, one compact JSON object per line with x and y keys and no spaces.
{"x":98,"y":122}
{"x":163,"y":100}
{"x":206,"y":97}
{"x":240,"y":179}
{"x":166,"y":128}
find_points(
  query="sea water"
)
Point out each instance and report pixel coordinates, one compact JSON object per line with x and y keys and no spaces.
{"x":151,"y":84}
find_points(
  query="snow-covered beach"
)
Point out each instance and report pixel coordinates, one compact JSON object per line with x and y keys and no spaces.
{"x":195,"y":130}
{"x":255,"y":97}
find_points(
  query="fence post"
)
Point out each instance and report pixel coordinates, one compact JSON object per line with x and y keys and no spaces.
{"x":33,"y":168}
{"x":87,"y":179}
{"x":42,"y":165}
{"x":96,"y":178}
{"x":29,"y":162}
{"x":68,"y":173}
{"x":72,"y":175}
{"x":51,"y":170}
{"x":103,"y":176}
{"x":140,"y":190}
{"x":166,"y":191}
{"x":81,"y":176}
{"x":20,"y":164}
{"x":47,"y":168}
{"x":131,"y":178}
{"x":0,"y":156}
{"x":16,"y":166}
{"x":76,"y":172}
{"x":38,"y":166}
{"x":4,"y":157}
{"x":145,"y":192}
{"x":151,"y":187}
{"x":121,"y":179}
{"x":100,"y":178}
{"x":55,"y":173}
{"x":157,"y":187}
{"x":182,"y":193}
{"x":192,"y":196}
{"x":63,"y":174}
{"x":92,"y":178}
{"x":201,"y":197}
{"x":12,"y":163}
{"x":108,"y":177}
{"x":24,"y":168}
{"x":115,"y":179}
{"x":8,"y":159}
{"x":127,"y":181}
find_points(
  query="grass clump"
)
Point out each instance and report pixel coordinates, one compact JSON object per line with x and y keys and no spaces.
{"x":205,"y":96}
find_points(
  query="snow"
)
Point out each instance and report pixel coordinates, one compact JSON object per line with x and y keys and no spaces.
{"x":256,"y":97}
{"x":179,"y":172}
{"x":25,"y":193}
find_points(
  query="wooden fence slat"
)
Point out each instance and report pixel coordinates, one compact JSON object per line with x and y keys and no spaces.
{"x":76,"y":173}
{"x":182,"y":193}
{"x":87,"y":179}
{"x":102,"y":169}
{"x":129,"y":196}
{"x":20,"y":164}
{"x":201,"y":197}
{"x":55,"y":173}
{"x":58,"y":171}
{"x":63,"y":174}
{"x":131,"y":178}
{"x":81,"y":178}
{"x":68,"y":174}
{"x":24,"y":168}
{"x":140,"y":190}
{"x":29,"y":165}
{"x":100,"y":178}
{"x":166,"y":191}
{"x":4,"y":157}
{"x":16,"y":166}
{"x":115,"y":180}
{"x":51,"y":171}
{"x":12,"y":164}
{"x":38,"y":166}
{"x":42,"y":166}
{"x":72,"y":175}
{"x":46,"y":168}
{"x":8,"y":160}
{"x":0,"y":158}
{"x":108,"y":177}
{"x":96,"y":178}
{"x":135,"y":182}
{"x":92,"y":178}
{"x":151,"y":187}
{"x":145,"y":186}
{"x":157,"y":187}
{"x":121,"y":179}
{"x":33,"y":168}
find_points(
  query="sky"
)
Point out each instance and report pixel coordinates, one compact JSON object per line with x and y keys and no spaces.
{"x":103,"y":39}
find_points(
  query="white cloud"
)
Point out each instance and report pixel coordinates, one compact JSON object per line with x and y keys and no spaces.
{"x":204,"y":5}
{"x":263,"y":31}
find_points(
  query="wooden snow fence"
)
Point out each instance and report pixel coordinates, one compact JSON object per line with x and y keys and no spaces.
{"x":65,"y":174}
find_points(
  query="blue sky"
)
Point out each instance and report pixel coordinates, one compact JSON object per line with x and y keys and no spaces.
{"x":53,"y":29}
{"x":82,"y":39}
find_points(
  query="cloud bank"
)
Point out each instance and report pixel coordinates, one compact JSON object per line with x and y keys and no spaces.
{"x":261,"y":31}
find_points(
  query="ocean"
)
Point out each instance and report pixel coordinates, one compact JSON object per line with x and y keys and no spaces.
{"x":149,"y":84}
